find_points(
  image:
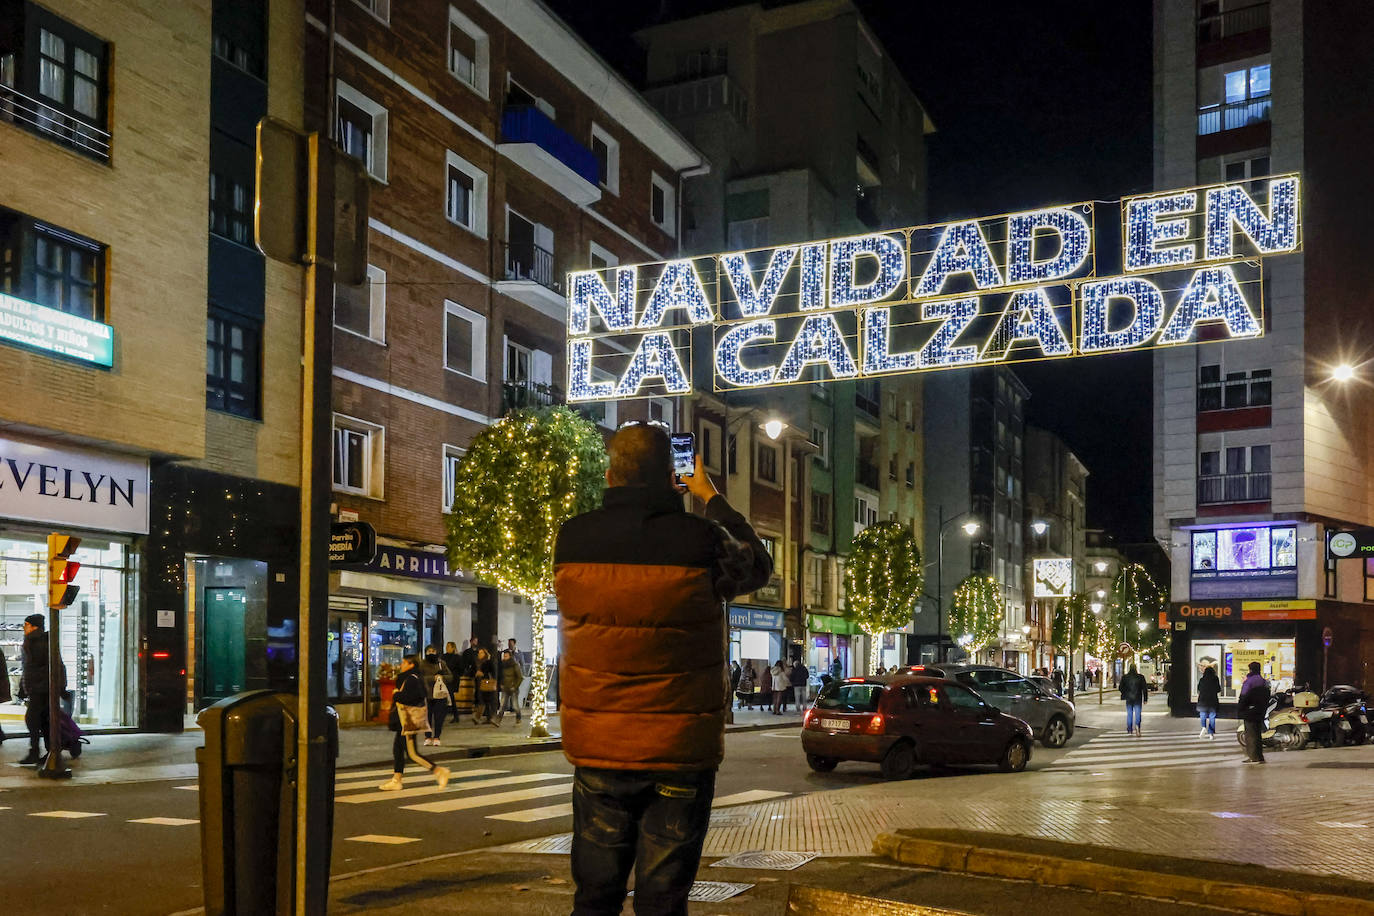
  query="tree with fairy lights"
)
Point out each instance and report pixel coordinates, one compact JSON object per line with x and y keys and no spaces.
{"x":1135,"y":600}
{"x":882,"y":582}
{"x":521,"y":479}
{"x":977,"y":613}
{"x":1073,"y":627}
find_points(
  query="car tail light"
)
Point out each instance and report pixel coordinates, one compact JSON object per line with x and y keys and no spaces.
{"x":808,"y":718}
{"x":875,"y":724}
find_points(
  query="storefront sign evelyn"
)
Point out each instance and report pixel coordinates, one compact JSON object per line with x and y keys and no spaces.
{"x":58,"y":332}
{"x":1002,"y":289}
{"x":70,"y":486}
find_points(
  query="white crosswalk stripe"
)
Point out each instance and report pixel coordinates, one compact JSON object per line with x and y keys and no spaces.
{"x":457,"y":785}
{"x":548,"y":812}
{"x":1119,"y":751}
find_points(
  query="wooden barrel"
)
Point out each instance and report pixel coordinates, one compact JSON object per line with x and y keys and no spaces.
{"x":463,"y":698}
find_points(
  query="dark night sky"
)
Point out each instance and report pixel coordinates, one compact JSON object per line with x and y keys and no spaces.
{"x":1034,"y":104}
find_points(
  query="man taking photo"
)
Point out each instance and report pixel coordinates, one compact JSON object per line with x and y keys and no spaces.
{"x":641,"y":587}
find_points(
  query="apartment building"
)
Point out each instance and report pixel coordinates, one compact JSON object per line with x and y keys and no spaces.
{"x":504,"y":154}
{"x":1055,"y":529}
{"x":975,"y":475}
{"x":1261,"y":450}
{"x":150,"y":357}
{"x":747,"y":86}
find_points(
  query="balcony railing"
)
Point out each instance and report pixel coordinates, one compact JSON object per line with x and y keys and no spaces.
{"x":1232,"y":488}
{"x":707,"y":93}
{"x":1212,"y":119}
{"x":866,"y":474}
{"x":530,"y":262}
{"x":527,"y":124}
{"x":529,"y":394}
{"x":1232,"y":22}
{"x":46,"y":121}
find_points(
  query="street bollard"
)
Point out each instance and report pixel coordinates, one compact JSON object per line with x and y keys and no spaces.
{"x":248,"y":802}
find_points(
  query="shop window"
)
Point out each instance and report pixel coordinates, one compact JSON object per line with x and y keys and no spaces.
{"x":361,"y":309}
{"x":1232,"y":658}
{"x":51,"y":267}
{"x":1369,"y":579}
{"x":344,"y":654}
{"x":232,"y":356}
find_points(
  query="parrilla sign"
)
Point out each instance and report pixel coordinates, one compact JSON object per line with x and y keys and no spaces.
{"x":1002,"y":289}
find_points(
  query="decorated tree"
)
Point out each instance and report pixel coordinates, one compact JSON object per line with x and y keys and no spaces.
{"x":1073,"y":627}
{"x":521,"y":478}
{"x":1135,"y":600}
{"x":882,"y":582}
{"x":976,"y":617}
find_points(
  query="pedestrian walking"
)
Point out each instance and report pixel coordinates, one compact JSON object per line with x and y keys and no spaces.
{"x":485,"y":675}
{"x":6,"y":695}
{"x":511,"y":676}
{"x":34,"y":685}
{"x":836,"y":669}
{"x":745,"y":690}
{"x":410,"y":717}
{"x":1058,"y":679}
{"x":782,"y":686}
{"x":799,"y":677}
{"x":765,"y":685}
{"x":1254,"y":703}
{"x":439,"y":687}
{"x":641,"y":587}
{"x":1208,"y":695}
{"x":735,"y":672}
{"x":454,"y":659}
{"x":1136,"y":693}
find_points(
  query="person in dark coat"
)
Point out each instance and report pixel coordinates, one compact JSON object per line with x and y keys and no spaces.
{"x":1136,"y":693}
{"x":799,"y":677}
{"x":469,"y":658}
{"x":410,"y":692}
{"x":1208,"y":695}
{"x":1058,"y":678}
{"x":5,"y":694}
{"x":436,"y":673}
{"x":484,"y":670}
{"x":33,"y":685}
{"x":1254,"y":703}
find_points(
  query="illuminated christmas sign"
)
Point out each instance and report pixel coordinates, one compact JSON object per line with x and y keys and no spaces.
{"x":1003,"y":289}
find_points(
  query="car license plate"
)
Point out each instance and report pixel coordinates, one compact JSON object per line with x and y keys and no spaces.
{"x":839,"y":725}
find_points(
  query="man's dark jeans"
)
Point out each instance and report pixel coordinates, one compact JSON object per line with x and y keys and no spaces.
{"x":652,"y":820}
{"x":1254,"y":741}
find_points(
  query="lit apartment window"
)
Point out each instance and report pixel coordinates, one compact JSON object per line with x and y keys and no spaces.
{"x":54,"y":79}
{"x":607,"y":152}
{"x":362,"y":130}
{"x":452,"y":456}
{"x":362,"y":309}
{"x":469,"y":53}
{"x":232,"y":346}
{"x":662,"y":206}
{"x":358,"y":456}
{"x":465,"y":341}
{"x":51,"y":266}
{"x":465,"y":200}
{"x":1245,"y":100}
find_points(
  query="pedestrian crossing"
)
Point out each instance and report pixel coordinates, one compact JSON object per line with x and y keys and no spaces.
{"x":1120,"y":751}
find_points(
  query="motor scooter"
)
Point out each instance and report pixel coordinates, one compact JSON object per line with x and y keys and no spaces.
{"x":1350,"y":707}
{"x":1285,"y":722}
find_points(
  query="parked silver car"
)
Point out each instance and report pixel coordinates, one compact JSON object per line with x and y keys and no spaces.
{"x":1051,"y":717}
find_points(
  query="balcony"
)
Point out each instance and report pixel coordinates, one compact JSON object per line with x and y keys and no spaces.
{"x":45,"y":121}
{"x":866,"y":474}
{"x":866,"y":398}
{"x":1230,"y":23}
{"x":529,"y":277}
{"x":714,"y":92}
{"x":524,"y":393}
{"x":1222,"y":489}
{"x":531,"y":140}
{"x":1212,"y":119}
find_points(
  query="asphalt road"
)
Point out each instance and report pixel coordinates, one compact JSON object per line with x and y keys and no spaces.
{"x":134,"y":848}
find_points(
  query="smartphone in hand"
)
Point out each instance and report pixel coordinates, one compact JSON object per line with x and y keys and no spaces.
{"x":684,"y":447}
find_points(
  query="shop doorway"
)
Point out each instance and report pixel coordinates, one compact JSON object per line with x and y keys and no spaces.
{"x":225,"y":641}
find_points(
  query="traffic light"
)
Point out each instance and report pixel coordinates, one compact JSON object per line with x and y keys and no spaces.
{"x":61,"y":571}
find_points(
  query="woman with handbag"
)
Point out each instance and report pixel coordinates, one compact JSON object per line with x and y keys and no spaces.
{"x":486,"y":689}
{"x":410,"y":717}
{"x":438,"y":688}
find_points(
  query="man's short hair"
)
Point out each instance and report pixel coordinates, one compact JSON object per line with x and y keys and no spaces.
{"x":641,"y":456}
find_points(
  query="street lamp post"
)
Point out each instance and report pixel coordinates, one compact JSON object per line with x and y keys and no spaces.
{"x":970,"y":528}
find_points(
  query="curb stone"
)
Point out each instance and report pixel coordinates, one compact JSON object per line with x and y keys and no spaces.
{"x":1062,"y":871}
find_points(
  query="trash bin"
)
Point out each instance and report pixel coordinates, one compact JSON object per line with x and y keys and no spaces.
{"x":248,"y":773}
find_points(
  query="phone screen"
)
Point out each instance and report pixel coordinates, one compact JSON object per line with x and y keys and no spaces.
{"x":684,"y":454}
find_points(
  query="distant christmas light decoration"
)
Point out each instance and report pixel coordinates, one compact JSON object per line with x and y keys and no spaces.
{"x":977,"y":611}
{"x":1000,"y":289}
{"x":882,"y":582}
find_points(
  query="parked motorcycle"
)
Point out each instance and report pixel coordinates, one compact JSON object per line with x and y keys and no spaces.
{"x":1285,"y":721}
{"x":1350,"y":709}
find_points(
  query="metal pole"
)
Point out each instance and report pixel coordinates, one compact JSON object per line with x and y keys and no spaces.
{"x":53,"y":767}
{"x":940,"y":586}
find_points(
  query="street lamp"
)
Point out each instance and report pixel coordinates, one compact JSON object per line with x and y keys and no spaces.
{"x":1096,"y":606}
{"x":774,"y":429}
{"x":1039,"y":527}
{"x":970,"y":528}
{"x":1100,"y":566}
{"x":1343,"y":373}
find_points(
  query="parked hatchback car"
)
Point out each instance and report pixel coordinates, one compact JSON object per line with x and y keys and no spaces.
{"x":900,"y":721}
{"x":1050,"y":715}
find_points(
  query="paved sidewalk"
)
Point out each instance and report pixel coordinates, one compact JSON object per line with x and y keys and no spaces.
{"x":111,"y":759}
